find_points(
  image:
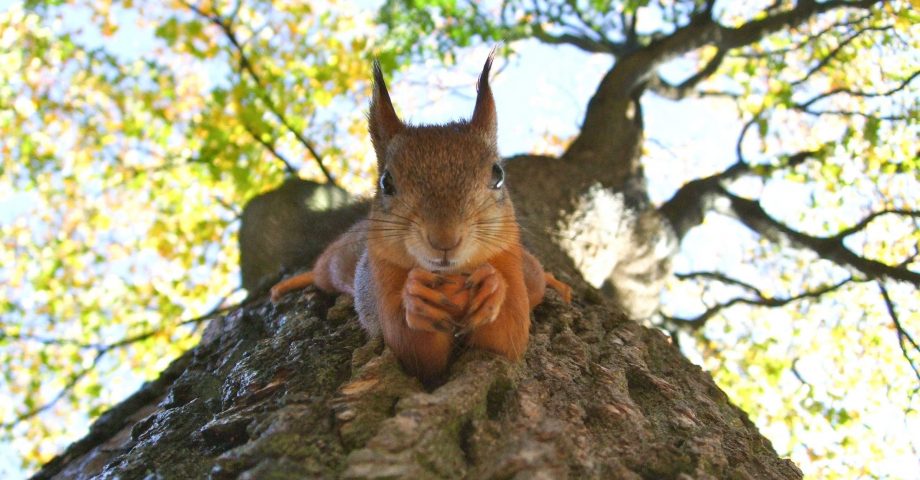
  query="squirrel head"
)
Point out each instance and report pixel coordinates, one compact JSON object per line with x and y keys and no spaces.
{"x":441,"y":200}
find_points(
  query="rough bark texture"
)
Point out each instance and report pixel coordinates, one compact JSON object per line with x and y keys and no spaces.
{"x":298,"y":391}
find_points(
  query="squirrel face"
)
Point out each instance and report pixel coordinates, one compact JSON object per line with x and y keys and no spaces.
{"x":441,"y":201}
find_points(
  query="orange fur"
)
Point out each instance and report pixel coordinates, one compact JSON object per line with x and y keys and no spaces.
{"x":507,"y":335}
{"x":423,"y":353}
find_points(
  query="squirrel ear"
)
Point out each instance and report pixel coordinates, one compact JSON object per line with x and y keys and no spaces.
{"x":382,"y":120}
{"x":484,"y":118}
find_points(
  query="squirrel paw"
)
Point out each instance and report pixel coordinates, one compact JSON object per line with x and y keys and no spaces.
{"x":429,"y":305}
{"x":565,"y":291}
{"x":488,"y":289}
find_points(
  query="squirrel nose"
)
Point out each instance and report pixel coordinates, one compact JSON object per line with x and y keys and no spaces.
{"x":444,"y":241}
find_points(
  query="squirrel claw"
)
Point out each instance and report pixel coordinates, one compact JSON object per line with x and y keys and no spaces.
{"x":478,"y":275}
{"x":431,"y":296}
{"x":422,"y":316}
{"x":489,"y":295}
{"x":483,"y":292}
{"x":424,"y":277}
{"x":428,"y":309}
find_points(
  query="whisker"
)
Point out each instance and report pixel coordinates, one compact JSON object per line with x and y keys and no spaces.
{"x":408,"y":208}
{"x":386,"y":230}
{"x":382,"y":220}
{"x":509,"y":232}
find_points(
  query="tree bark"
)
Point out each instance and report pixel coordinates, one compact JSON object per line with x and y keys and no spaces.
{"x":299,"y":391}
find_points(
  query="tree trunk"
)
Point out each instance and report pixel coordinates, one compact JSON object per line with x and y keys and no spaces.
{"x":298,"y":390}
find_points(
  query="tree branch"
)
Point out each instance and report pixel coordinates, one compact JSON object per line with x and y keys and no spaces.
{"x":833,"y":53}
{"x":872,"y":216}
{"x":721,"y":277}
{"x":633,"y":70}
{"x":803,"y":106}
{"x":705,"y":31}
{"x":584,"y":43}
{"x":903,"y":335}
{"x":761,"y":300}
{"x":261,"y":90}
{"x":100,"y":351}
{"x":685,"y":88}
{"x":71,"y":383}
{"x":270,"y":146}
{"x":752,"y":214}
{"x":687,"y":207}
{"x":754,"y":30}
{"x":801,"y":44}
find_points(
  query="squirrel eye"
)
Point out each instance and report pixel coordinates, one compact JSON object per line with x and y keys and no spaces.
{"x":498,"y":176}
{"x":386,"y":183}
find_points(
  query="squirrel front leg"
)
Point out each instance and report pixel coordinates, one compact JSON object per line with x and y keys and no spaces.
{"x":416,"y":331}
{"x":499,"y":314}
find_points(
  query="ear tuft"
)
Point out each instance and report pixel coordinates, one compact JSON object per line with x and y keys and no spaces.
{"x":382,"y":120}
{"x":484,"y":117}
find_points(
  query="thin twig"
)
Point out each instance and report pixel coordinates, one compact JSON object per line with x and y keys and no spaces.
{"x":903,"y":335}
{"x":270,"y":146}
{"x":101,"y":351}
{"x":803,"y":106}
{"x":761,"y":300}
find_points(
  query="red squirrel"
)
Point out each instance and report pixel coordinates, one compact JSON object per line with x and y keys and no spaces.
{"x":441,"y":215}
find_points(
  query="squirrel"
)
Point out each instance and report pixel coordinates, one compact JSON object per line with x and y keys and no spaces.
{"x":441,"y":216}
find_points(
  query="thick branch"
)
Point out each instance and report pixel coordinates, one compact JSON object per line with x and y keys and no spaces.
{"x":803,"y":43}
{"x":755,"y":30}
{"x":689,"y":205}
{"x":752,"y":214}
{"x":685,"y":88}
{"x":705,"y":31}
{"x":632,"y":71}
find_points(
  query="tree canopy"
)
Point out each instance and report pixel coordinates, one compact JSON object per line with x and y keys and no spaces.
{"x":133,"y":132}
